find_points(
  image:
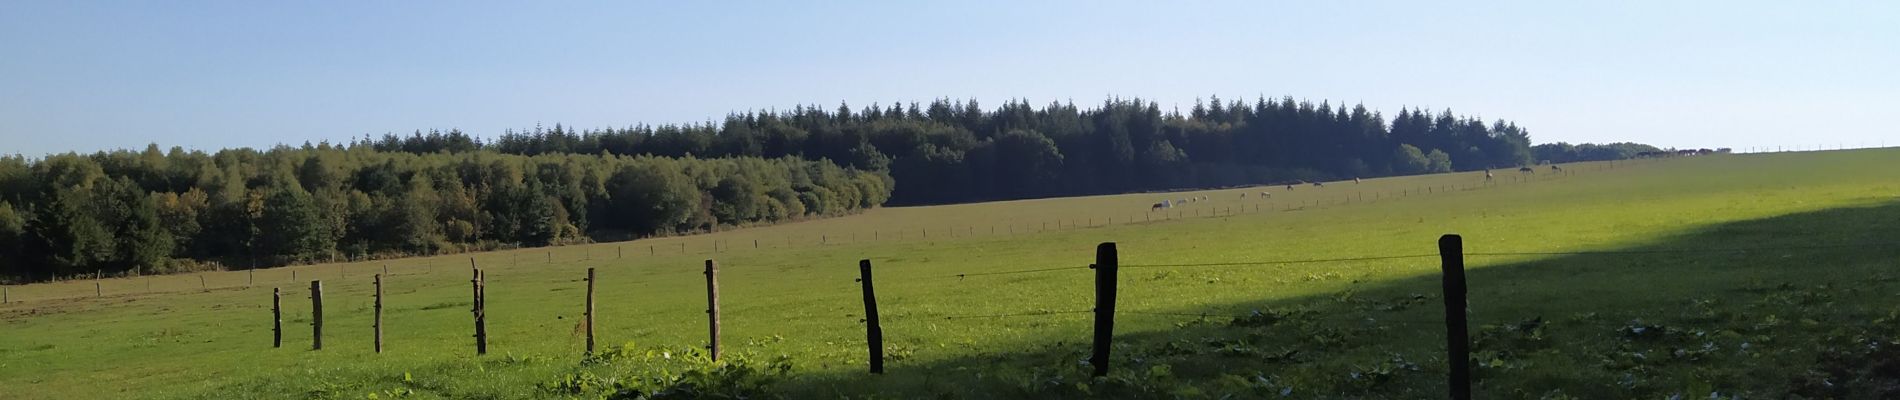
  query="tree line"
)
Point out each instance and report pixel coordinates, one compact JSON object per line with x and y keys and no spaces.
{"x":1561,"y":152}
{"x":447,"y":190}
{"x":155,"y":211}
{"x":956,"y":151}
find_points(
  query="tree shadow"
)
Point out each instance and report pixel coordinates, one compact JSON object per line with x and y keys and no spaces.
{"x":1792,"y":306}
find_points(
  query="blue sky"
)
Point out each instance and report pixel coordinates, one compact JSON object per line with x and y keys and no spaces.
{"x":85,"y":76}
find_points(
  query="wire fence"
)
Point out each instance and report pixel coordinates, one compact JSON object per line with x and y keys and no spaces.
{"x":1362,"y":317}
{"x":72,"y":285}
{"x":1013,"y":315}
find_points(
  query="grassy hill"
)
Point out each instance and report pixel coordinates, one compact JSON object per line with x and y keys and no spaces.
{"x":1760,"y":274}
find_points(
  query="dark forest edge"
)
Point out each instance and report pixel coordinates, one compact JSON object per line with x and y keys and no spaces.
{"x":155,"y":211}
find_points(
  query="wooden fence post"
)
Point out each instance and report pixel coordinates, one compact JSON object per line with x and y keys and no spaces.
{"x":316,"y":315}
{"x":481,"y":317}
{"x":873,"y":333}
{"x":5,"y":297}
{"x":97,"y":291}
{"x":589,"y":316}
{"x":712,"y":306}
{"x":201,"y":283}
{"x":250,"y":277}
{"x":277,"y":318}
{"x":1106,"y":264}
{"x":1457,"y":341}
{"x":378,"y":324}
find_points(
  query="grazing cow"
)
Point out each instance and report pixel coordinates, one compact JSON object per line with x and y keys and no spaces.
{"x":1355,"y":180}
{"x":1317,"y":184}
{"x":1487,"y":175}
{"x":1265,"y":195}
{"x":1289,"y":186}
{"x":1553,"y":167}
{"x":1526,"y":170}
{"x":1158,"y":206}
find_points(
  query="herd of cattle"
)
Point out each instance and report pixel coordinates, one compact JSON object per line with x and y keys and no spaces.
{"x":1684,"y":152}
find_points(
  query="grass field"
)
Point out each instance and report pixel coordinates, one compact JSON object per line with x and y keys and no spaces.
{"x":1626,"y":300}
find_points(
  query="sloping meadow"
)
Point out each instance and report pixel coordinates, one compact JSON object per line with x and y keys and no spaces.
{"x":1758,"y":276}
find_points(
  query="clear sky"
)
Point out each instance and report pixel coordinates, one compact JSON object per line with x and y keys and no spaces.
{"x":92,"y":75}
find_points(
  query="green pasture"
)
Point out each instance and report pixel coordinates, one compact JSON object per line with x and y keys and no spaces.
{"x":1761,"y":275}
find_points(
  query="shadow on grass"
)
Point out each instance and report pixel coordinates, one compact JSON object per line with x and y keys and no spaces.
{"x":1781,"y":320}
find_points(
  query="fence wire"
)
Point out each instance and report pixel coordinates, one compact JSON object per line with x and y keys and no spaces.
{"x":1025,"y":271}
{"x":1275,"y":262}
{"x":1894,"y":245}
{"x":1336,"y":318}
{"x":1012,"y":315}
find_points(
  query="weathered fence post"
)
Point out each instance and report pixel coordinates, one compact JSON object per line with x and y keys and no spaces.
{"x":755,"y":243}
{"x":277,"y":318}
{"x":550,"y":257}
{"x":650,"y":250}
{"x":378,"y":324}
{"x":589,"y":316}
{"x":293,"y":275}
{"x":316,"y":315}
{"x":250,"y":277}
{"x":481,"y":315}
{"x":873,"y":333}
{"x":5,"y":297}
{"x":201,"y":283}
{"x":712,"y":306}
{"x":1457,"y":342}
{"x":1106,"y":264}
{"x":97,"y":291}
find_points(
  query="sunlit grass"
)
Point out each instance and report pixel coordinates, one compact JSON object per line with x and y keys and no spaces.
{"x":794,"y":294}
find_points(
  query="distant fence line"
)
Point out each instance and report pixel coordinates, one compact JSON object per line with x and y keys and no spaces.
{"x":123,"y":285}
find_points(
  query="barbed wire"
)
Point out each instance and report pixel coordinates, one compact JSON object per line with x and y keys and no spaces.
{"x":1348,"y":318}
{"x":1026,"y":271}
{"x":1895,"y":245}
{"x":1276,"y":262}
{"x":1011,"y":315}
